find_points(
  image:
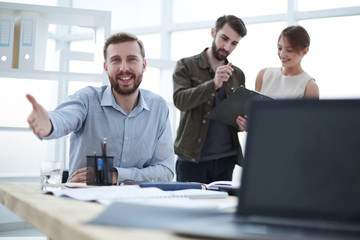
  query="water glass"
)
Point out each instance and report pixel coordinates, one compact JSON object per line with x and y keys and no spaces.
{"x":51,"y":175}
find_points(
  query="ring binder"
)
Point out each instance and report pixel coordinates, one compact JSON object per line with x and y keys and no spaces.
{"x":30,"y":43}
{"x":6,"y":41}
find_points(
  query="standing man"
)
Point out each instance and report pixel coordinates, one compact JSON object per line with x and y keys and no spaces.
{"x":207,"y":149}
{"x":134,"y":121}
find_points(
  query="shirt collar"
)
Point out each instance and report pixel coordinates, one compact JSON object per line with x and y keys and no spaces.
{"x":108,"y":99}
{"x":142,"y":104}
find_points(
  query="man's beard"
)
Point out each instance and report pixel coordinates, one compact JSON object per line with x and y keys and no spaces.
{"x":216,"y":53}
{"x":125,"y":90}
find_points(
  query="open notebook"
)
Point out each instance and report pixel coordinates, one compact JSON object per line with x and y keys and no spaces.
{"x":301,"y":175}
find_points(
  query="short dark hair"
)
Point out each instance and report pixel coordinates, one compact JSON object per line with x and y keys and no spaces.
{"x":235,"y":23}
{"x":297,"y":37}
{"x":123,"y":37}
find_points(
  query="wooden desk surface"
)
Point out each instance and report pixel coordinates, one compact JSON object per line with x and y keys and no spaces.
{"x":63,"y":218}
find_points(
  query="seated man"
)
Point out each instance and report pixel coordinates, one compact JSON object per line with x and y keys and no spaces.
{"x":134,"y":121}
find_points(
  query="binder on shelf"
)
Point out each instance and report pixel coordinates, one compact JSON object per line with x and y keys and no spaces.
{"x":30,"y":43}
{"x":6,"y":41}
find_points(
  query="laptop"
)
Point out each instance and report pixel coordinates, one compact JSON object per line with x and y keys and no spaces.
{"x":301,"y":175}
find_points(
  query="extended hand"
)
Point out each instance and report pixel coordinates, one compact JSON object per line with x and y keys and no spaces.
{"x":222,"y":75}
{"x":39,"y":120}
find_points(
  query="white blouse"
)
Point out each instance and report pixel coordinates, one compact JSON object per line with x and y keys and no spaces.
{"x":277,"y":85}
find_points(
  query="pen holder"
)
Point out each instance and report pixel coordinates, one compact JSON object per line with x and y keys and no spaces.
{"x":99,"y":170}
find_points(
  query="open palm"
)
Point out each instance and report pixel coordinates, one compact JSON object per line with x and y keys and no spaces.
{"x":39,"y":120}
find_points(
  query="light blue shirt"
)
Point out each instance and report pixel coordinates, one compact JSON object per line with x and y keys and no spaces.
{"x":140,"y":142}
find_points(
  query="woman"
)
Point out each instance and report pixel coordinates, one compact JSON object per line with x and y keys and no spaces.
{"x":290,"y":80}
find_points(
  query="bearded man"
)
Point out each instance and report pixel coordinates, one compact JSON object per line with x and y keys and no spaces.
{"x":208,"y":150}
{"x":135,"y":122}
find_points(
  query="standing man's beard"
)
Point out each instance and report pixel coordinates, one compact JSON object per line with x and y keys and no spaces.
{"x":125,"y":91}
{"x":216,"y":53}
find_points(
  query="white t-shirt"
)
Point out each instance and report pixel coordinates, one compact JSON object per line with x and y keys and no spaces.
{"x":277,"y":85}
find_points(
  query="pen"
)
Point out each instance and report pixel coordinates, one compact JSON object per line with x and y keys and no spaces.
{"x":95,"y":175}
{"x":104,"y":147}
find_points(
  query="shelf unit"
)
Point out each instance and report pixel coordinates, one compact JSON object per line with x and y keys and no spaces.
{"x":99,"y":22}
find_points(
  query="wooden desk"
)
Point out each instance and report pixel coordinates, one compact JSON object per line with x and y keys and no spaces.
{"x":63,"y":218}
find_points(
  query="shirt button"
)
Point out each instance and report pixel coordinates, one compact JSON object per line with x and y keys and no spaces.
{"x":193,"y":159}
{"x":213,"y":94}
{"x":208,"y":102}
{"x":124,"y":160}
{"x":199,"y":140}
{"x":203,"y":121}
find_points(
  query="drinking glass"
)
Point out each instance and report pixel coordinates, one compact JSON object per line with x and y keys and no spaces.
{"x":51,"y":175}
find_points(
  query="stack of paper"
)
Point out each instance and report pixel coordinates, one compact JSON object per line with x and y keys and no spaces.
{"x":133,"y":193}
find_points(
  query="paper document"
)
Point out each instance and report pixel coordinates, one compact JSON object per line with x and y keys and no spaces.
{"x":214,"y":185}
{"x":231,"y":187}
{"x":108,"y":194}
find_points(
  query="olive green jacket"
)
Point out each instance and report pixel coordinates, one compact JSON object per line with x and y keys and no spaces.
{"x":194,"y":93}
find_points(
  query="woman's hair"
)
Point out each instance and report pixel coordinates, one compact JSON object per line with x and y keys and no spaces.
{"x":123,"y":37}
{"x":297,"y":37}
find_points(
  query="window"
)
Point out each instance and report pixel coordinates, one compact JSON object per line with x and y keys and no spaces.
{"x":152,"y":45}
{"x":187,"y":11}
{"x":189,"y":43}
{"x":15,"y":107}
{"x":310,"y":5}
{"x":333,"y":56}
{"x":126,"y":14}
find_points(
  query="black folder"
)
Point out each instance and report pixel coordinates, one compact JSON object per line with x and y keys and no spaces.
{"x":234,"y":105}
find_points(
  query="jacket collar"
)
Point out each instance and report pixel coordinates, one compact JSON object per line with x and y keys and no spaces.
{"x":203,"y":61}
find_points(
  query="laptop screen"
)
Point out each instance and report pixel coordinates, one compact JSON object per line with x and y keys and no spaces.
{"x":302,"y":159}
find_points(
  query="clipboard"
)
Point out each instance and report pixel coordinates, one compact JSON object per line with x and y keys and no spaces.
{"x":234,"y":105}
